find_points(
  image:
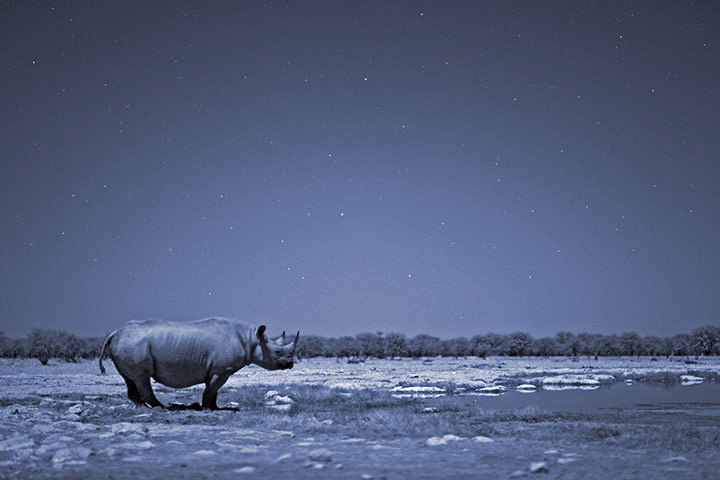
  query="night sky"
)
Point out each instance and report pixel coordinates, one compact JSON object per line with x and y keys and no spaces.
{"x":345,"y":167}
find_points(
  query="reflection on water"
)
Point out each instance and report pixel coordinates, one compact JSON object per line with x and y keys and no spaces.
{"x":594,"y":399}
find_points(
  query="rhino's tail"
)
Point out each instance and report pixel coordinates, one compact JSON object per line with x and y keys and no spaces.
{"x":105,"y":346}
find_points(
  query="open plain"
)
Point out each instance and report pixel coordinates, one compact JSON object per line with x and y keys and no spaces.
{"x":434,"y":418}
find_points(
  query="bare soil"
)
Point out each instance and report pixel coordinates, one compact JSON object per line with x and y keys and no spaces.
{"x":66,"y":421}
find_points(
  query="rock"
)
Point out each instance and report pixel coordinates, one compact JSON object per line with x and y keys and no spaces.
{"x":270,"y":394}
{"x":50,"y":447}
{"x":366,"y":476}
{"x":42,"y":429}
{"x":551,"y":452}
{"x":435,"y":441}
{"x":247,"y":469}
{"x":205,"y":453}
{"x":539,"y":467}
{"x":281,"y":408}
{"x":675,"y":460}
{"x":526,"y":388}
{"x":481,"y":439}
{"x":70,"y":456}
{"x":687,"y":380}
{"x":320,"y":455}
{"x":75,"y":409}
{"x":518,"y":474}
{"x":126,"y":427}
{"x":566,"y":460}
{"x":280,"y":403}
{"x":145,"y":445}
{"x":16,"y":442}
{"x":283,"y":457}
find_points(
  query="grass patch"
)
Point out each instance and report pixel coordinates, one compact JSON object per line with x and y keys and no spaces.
{"x":377,"y":414}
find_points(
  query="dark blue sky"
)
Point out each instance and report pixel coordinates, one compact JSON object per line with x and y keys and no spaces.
{"x":342,"y":167}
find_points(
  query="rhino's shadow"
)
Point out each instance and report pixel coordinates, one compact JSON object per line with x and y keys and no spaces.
{"x":174,"y":407}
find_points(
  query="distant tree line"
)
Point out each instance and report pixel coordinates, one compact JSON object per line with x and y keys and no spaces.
{"x":45,"y":344}
{"x":702,"y":341}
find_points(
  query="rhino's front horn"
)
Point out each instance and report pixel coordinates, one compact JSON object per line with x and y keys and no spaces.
{"x":297,"y":337}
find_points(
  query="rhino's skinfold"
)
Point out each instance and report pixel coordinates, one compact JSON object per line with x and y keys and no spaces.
{"x":179,"y":355}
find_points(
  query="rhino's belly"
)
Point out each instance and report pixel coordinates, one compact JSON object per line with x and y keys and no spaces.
{"x":179,"y":375}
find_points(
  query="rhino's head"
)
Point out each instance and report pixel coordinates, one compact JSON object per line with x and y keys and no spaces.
{"x":273,"y":354}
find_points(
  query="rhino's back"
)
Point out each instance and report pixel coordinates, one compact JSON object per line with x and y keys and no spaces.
{"x":180,"y":354}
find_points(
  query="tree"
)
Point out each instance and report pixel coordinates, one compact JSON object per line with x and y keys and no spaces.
{"x":311,"y":346}
{"x":370,"y":345}
{"x":517,"y":344}
{"x":455,"y":347}
{"x":544,"y":347}
{"x":683,"y":345}
{"x":424,"y":346}
{"x":395,"y":345}
{"x":630,"y":344}
{"x":347,"y":347}
{"x":564,"y":342}
{"x":43,"y":344}
{"x":705,"y":339}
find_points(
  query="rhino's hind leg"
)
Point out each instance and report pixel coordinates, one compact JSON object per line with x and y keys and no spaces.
{"x":147,"y":395}
{"x":133,"y":393}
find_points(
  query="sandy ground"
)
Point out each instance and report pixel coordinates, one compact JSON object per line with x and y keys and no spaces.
{"x":67,"y":421}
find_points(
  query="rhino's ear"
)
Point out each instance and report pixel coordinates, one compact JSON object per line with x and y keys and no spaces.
{"x":261,"y":333}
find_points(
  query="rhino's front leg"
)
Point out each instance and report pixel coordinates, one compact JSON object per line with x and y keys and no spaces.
{"x":209,"y":398}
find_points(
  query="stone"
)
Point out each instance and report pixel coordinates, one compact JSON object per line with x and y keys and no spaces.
{"x":42,"y":429}
{"x":481,"y":439}
{"x":75,"y":409}
{"x":675,"y":460}
{"x":50,"y":447}
{"x":205,"y":453}
{"x":16,"y":442}
{"x":539,"y":467}
{"x":144,"y":445}
{"x":70,"y":456}
{"x":435,"y":441}
{"x":270,"y":394}
{"x":320,"y":455}
{"x":283,"y":457}
{"x":247,"y":469}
